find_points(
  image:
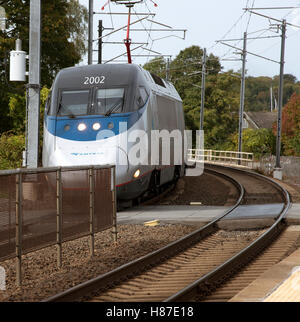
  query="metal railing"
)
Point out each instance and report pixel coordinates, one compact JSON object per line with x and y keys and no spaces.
{"x":48,"y":206}
{"x":241,"y":159}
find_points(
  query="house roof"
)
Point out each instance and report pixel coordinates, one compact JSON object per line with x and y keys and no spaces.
{"x":261,"y":119}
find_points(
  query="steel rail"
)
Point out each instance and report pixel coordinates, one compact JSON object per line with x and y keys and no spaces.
{"x":141,"y":264}
{"x":214,"y":278}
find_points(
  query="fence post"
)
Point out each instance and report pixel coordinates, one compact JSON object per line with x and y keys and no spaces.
{"x":19,"y":229}
{"x":59,"y":217}
{"x":92,"y":210}
{"x":114,"y":203}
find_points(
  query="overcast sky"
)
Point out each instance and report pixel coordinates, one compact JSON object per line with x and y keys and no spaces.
{"x":206,"y":22}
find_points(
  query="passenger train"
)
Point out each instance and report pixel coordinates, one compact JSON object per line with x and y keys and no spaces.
{"x":92,"y":112}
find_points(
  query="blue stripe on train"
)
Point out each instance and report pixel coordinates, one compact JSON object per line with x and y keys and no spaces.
{"x":67,"y":128}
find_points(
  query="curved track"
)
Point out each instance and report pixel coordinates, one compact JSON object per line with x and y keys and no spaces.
{"x":186,"y":268}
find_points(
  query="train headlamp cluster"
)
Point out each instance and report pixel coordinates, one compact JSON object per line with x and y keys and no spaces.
{"x":81,"y":127}
{"x":96,"y":126}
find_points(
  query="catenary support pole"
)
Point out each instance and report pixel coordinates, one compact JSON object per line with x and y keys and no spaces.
{"x":100,"y":31}
{"x":168,"y":69}
{"x":90,"y":37}
{"x":203,"y":89}
{"x":34,"y":84}
{"x":280,"y":98}
{"x":242,"y":96}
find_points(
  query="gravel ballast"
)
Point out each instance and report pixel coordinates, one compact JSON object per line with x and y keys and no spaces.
{"x":42,"y":278}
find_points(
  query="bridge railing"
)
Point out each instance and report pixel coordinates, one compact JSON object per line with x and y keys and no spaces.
{"x":240,"y":159}
{"x":49,"y":206}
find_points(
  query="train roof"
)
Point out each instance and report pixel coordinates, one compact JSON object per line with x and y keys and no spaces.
{"x":113,"y":75}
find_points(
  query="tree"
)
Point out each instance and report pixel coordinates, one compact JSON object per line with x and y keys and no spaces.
{"x":11,"y":147}
{"x":62,"y":40}
{"x":257,"y":96}
{"x":186,"y":68}
{"x":291,"y":126}
{"x":157,"y":66}
{"x":221,"y":95}
{"x":256,"y":141}
{"x":17,"y":111}
{"x":222,"y":109}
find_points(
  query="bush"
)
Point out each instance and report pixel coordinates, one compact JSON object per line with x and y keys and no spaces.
{"x":259,"y":142}
{"x":11,"y":147}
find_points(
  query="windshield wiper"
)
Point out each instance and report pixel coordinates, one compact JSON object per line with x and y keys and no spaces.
{"x":61,"y":106}
{"x":112,"y":109}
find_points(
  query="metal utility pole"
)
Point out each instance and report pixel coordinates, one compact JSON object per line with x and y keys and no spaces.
{"x":168,"y":69}
{"x":271,"y":98}
{"x":242,"y":95}
{"x":203,"y":89}
{"x":100,"y":30}
{"x":280,"y":98}
{"x":34,"y":84}
{"x":90,"y":38}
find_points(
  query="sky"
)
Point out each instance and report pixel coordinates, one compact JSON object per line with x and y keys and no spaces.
{"x":206,"y":22}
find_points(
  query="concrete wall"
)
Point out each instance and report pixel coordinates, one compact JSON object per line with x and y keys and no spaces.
{"x":290,"y":167}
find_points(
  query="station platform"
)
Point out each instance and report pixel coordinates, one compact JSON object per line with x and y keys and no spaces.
{"x":281,"y":283}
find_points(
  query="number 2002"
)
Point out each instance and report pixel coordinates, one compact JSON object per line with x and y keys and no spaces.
{"x":94,"y":80}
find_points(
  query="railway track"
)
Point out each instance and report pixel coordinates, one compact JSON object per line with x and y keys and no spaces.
{"x":196,"y":265}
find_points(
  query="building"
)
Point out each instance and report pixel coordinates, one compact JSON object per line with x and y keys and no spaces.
{"x":259,"y":120}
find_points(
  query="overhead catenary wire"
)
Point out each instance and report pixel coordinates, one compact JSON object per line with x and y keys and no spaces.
{"x":250,"y":17}
{"x":147,"y":26}
{"x":148,"y":32}
{"x":231,"y":28}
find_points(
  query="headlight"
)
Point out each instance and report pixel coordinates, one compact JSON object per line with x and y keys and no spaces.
{"x":81,"y":127}
{"x":96,"y":126}
{"x":137,"y":173}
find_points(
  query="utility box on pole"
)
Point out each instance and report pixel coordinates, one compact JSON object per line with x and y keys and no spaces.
{"x":17,"y":66}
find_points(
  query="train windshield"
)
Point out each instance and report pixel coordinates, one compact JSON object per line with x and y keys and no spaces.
{"x":109,"y":100}
{"x":73,"y":103}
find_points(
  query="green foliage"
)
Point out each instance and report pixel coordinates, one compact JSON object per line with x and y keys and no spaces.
{"x":11,"y":147}
{"x":222,"y":100}
{"x":258,"y":96}
{"x":157,"y":66}
{"x":17,"y":109}
{"x":258,"y":142}
{"x":64,"y":29}
{"x":186,"y":69}
{"x":221,"y":94}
